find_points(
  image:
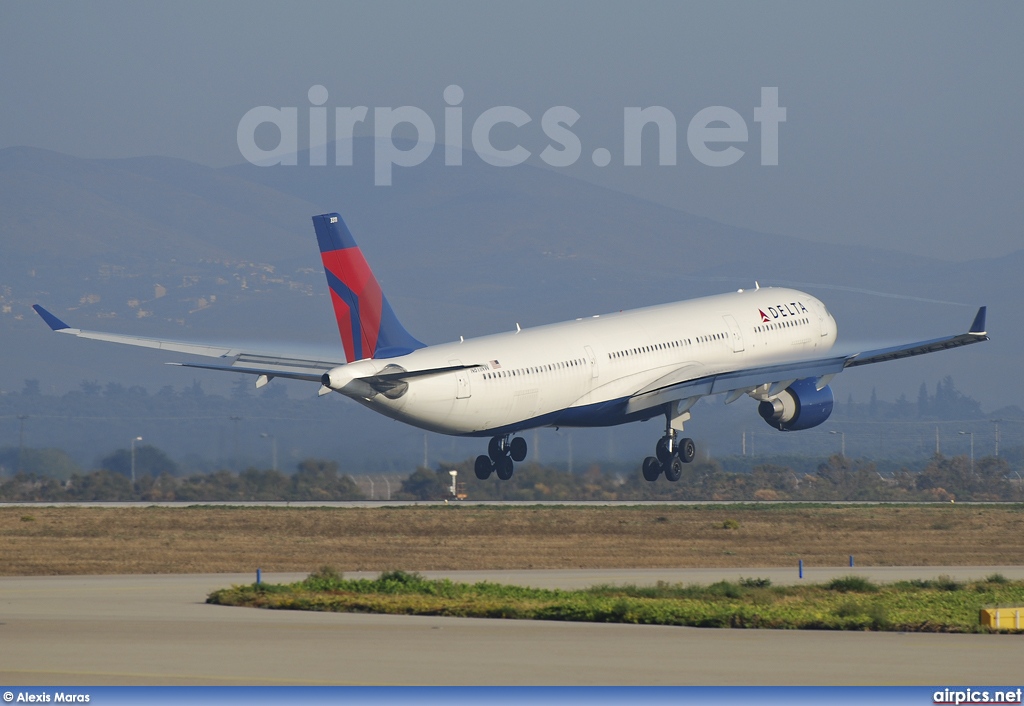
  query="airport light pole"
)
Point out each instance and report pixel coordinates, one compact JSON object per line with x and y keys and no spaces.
{"x":234,"y":462}
{"x":273,"y":448}
{"x":21,"y":441}
{"x":137,"y":438}
{"x":842,"y":442}
{"x":971,"y":434}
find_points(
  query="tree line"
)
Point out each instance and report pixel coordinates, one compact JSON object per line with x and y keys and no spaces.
{"x":942,"y":479}
{"x":313,"y":480}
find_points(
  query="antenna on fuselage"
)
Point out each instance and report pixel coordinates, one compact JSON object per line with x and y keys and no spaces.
{"x":756,"y":285}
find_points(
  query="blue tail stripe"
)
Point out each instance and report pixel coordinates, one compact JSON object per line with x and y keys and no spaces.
{"x":350,"y":298}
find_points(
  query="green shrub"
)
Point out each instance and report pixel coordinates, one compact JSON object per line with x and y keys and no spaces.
{"x":726,"y":589}
{"x":879,"y":617}
{"x":918,"y":583}
{"x":405,"y":582}
{"x":750,"y":603}
{"x":731,"y":524}
{"x":852,"y":584}
{"x":873,"y":616}
{"x":326,"y":578}
{"x":946,"y":583}
{"x":848,"y":609}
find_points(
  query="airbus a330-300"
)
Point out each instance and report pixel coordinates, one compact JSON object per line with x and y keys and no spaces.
{"x":771,"y":344}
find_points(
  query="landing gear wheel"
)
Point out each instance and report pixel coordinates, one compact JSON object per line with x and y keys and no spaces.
{"x":651,"y":469}
{"x":495,"y":448}
{"x":674,"y":469}
{"x":517,"y":449}
{"x":662,"y":451}
{"x":687,"y":450}
{"x":504,"y":468}
{"x":483,"y":467}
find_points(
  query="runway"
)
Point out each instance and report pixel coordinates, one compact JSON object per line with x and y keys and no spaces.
{"x":113,"y":630}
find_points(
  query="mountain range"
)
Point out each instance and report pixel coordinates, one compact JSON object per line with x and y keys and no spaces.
{"x":164,"y":247}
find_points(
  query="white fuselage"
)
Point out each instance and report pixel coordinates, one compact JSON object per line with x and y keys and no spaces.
{"x":580,"y":373}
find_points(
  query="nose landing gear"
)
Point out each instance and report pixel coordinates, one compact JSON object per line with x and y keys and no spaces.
{"x":501,"y":453}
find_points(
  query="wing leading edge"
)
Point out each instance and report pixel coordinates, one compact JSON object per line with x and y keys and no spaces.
{"x":235,"y":359}
{"x":238,"y":360}
{"x":778,"y":377}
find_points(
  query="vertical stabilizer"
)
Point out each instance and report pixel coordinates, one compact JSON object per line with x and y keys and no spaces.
{"x":367,"y":323}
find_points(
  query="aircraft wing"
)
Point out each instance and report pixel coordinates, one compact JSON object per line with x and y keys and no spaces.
{"x":780,"y":376}
{"x":239,"y":360}
{"x":975,"y":334}
{"x":233,"y":359}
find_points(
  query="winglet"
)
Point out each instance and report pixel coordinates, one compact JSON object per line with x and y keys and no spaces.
{"x":52,"y":321}
{"x":978,"y":327}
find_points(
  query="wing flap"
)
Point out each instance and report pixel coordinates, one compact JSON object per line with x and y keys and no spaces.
{"x":269,"y":372}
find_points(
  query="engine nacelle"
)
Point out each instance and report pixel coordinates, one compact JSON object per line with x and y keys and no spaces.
{"x":799,"y":406}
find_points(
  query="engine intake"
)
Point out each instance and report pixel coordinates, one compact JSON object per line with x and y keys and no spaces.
{"x":799,"y":406}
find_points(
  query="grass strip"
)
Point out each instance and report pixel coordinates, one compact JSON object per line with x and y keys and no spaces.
{"x":848,"y":603}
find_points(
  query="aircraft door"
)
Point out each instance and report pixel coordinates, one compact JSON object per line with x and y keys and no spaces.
{"x":734,"y":333}
{"x":593,"y":361}
{"x":462,"y":390}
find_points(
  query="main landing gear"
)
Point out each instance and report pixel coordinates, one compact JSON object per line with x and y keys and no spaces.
{"x":671,"y":451}
{"x":501,"y":452}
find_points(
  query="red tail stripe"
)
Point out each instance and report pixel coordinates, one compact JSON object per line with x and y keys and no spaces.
{"x":351,"y":268}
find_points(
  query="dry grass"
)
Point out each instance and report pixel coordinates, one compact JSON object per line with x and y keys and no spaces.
{"x":40,"y":541}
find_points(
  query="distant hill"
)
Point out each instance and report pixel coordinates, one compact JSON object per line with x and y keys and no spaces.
{"x":164,"y":247}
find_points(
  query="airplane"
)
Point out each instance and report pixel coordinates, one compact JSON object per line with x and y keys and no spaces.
{"x":773,"y":345}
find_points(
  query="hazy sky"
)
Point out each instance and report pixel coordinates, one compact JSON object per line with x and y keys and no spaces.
{"x":903,"y":121}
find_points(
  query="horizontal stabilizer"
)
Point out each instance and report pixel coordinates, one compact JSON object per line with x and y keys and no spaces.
{"x":409,"y":374}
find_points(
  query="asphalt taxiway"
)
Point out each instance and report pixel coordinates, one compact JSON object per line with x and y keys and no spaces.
{"x":99,"y":630}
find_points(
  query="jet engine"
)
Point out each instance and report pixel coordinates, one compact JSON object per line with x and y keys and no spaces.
{"x":799,"y":406}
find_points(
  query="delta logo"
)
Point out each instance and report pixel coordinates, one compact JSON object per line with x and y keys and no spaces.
{"x":782,"y":311}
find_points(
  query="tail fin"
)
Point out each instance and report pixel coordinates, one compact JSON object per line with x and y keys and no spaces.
{"x":368,"y":325}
